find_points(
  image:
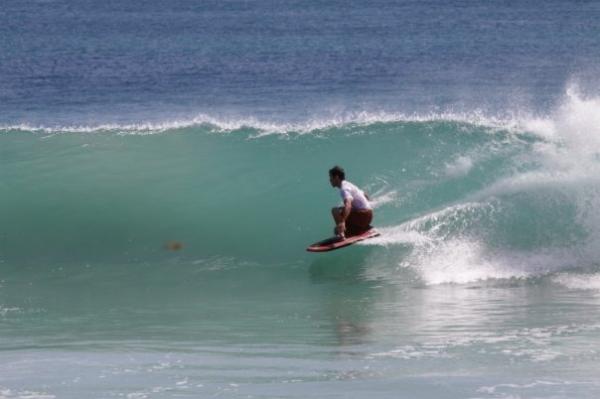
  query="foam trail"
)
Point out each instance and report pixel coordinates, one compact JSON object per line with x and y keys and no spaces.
{"x":426,"y":229}
{"x":397,"y":236}
{"x":443,"y":259}
{"x":539,"y":180}
{"x":380,"y":199}
{"x":460,"y":262}
{"x":463,"y":261}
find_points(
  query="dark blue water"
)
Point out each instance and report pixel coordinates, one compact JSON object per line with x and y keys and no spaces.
{"x":74,"y":62}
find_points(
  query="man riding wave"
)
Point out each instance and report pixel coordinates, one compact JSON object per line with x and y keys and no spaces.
{"x":356,"y":215}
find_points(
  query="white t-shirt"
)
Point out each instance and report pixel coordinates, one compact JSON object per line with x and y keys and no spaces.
{"x":354,"y":194}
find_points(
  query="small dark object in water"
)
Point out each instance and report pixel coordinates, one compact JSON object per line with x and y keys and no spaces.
{"x":173,"y":245}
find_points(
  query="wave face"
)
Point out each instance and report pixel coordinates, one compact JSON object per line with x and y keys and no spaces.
{"x":456,"y":200}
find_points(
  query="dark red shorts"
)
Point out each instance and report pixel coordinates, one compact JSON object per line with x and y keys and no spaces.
{"x":358,"y":221}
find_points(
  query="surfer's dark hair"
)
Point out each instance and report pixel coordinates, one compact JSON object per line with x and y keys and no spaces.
{"x":337,"y":171}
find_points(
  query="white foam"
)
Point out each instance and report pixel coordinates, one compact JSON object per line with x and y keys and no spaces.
{"x":574,"y":124}
{"x":444,"y":249}
{"x":6,"y":393}
{"x":434,"y":221}
{"x":380,"y":199}
{"x":496,"y":389}
{"x":538,"y":180}
{"x":396,"y":236}
{"x":460,"y":262}
{"x":533,"y":344}
{"x":542,"y":127}
{"x":576,"y":120}
{"x":459,"y":167}
{"x":424,"y":230}
{"x":409,"y":352}
{"x":565,"y":163}
{"x":266,"y":126}
{"x":4,"y":310}
{"x":578,"y":281}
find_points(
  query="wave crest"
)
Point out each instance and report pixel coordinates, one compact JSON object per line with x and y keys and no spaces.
{"x":267,"y":127}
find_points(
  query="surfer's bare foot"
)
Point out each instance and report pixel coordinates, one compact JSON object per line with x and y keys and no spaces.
{"x":340,"y":229}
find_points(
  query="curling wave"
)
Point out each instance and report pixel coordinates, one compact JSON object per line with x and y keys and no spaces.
{"x":473,"y":198}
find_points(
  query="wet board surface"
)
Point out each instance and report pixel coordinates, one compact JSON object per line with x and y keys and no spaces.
{"x":332,"y":243}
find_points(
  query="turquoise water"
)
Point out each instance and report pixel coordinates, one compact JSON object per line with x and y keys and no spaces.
{"x":103,"y":196}
{"x":483,"y":283}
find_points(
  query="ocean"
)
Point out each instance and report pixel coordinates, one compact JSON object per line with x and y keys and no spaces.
{"x":163,"y":166}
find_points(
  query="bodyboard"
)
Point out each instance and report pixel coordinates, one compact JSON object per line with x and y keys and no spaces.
{"x":333,"y":243}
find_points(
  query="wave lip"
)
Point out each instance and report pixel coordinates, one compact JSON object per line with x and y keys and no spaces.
{"x":267,"y":127}
{"x":574,"y":121}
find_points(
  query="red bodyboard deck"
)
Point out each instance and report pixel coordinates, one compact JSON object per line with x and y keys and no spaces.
{"x":336,"y":243}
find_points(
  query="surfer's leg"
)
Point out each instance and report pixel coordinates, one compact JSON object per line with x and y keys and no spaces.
{"x":359,"y":221}
{"x":336,"y":212}
{"x":337,"y":218}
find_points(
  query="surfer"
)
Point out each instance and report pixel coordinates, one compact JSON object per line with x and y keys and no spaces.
{"x":356,"y":215}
